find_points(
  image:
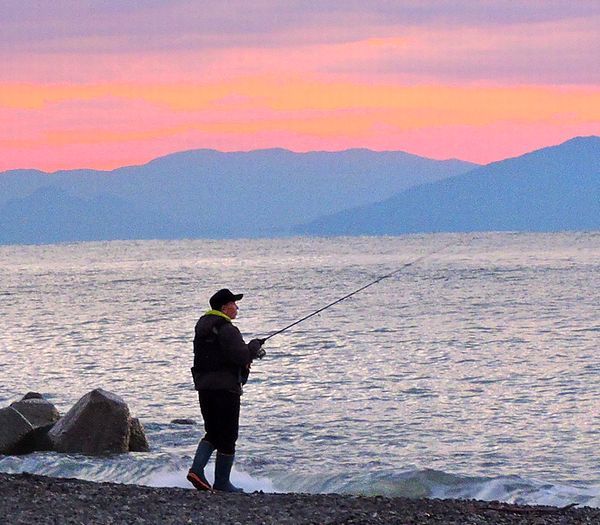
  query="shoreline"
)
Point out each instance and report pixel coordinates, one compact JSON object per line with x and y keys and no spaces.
{"x":34,"y":499}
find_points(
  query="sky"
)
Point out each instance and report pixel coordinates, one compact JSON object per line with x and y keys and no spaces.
{"x":107,"y":83}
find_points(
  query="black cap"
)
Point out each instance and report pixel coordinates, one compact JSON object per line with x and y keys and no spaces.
{"x":222,"y":297}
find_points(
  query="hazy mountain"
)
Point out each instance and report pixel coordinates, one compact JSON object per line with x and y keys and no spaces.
{"x":551,"y":189}
{"x":51,"y":215}
{"x":205,"y":193}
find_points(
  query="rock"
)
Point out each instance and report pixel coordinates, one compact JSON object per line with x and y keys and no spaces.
{"x":97,"y":424}
{"x":183,"y":422}
{"x":35,"y":441}
{"x":32,"y":395}
{"x":137,"y":436}
{"x":13,"y":428}
{"x":38,"y":412}
{"x":41,"y":416}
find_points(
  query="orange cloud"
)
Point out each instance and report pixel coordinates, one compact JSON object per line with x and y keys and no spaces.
{"x":293,"y":112}
{"x":467,"y":81}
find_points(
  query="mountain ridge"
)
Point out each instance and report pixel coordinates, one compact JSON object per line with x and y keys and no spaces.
{"x":201,"y":193}
{"x":542,"y":190}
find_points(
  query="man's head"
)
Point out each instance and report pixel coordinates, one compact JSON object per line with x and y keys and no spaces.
{"x":224,"y":301}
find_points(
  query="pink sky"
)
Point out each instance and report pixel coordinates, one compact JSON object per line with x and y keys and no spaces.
{"x":106,"y":84}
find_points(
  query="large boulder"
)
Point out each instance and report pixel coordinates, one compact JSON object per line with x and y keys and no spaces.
{"x":97,"y":424}
{"x":13,"y":428}
{"x":41,"y":415}
{"x":39,"y":412}
{"x":137,"y":437}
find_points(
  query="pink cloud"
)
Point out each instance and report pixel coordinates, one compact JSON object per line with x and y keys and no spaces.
{"x":121,"y":82}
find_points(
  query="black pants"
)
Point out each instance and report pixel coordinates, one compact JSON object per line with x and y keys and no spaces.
{"x":221,"y":413}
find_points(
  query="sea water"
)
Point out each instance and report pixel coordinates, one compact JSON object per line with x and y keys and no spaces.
{"x":472,"y":373}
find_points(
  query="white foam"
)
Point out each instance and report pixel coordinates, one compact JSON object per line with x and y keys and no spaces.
{"x":170,"y":478}
{"x":410,"y":483}
{"x":512,"y":489}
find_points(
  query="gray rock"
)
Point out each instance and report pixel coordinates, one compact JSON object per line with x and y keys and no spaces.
{"x":13,"y":428}
{"x":137,"y":437}
{"x":38,"y":412}
{"x":35,"y":441}
{"x":182,"y":421}
{"x":41,"y":416}
{"x":32,"y":395}
{"x":97,"y":424}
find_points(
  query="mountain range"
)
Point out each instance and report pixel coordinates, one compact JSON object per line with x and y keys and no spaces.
{"x":551,"y":189}
{"x":206,"y":193}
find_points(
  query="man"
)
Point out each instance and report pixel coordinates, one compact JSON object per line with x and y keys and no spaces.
{"x":221,"y":366}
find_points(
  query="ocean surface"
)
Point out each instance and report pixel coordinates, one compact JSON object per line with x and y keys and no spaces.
{"x":472,"y":373}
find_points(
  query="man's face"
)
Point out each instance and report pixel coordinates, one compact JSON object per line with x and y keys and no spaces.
{"x":230,"y":309}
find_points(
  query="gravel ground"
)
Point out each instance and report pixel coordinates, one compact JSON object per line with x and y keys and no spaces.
{"x":29,"y":499}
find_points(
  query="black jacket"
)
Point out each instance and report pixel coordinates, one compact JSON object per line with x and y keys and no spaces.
{"x":221,"y":357}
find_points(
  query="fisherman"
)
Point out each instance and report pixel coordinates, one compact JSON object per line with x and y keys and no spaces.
{"x":221,"y":366}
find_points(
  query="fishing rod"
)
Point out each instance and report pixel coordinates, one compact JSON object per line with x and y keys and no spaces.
{"x":379,"y":279}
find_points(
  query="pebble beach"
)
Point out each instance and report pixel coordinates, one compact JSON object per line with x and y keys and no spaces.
{"x":32,"y":499}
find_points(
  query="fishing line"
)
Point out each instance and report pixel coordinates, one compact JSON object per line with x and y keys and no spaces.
{"x":379,"y":279}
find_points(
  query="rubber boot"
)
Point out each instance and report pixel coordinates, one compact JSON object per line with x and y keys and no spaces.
{"x":223,"y":471}
{"x":196,"y":474}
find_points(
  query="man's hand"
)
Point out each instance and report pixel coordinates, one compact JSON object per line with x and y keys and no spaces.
{"x":256,"y":350}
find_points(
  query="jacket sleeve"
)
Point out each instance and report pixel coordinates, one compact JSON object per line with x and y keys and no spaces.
{"x":235,"y":350}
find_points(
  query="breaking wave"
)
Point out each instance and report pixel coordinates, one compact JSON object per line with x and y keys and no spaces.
{"x":165,"y":470}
